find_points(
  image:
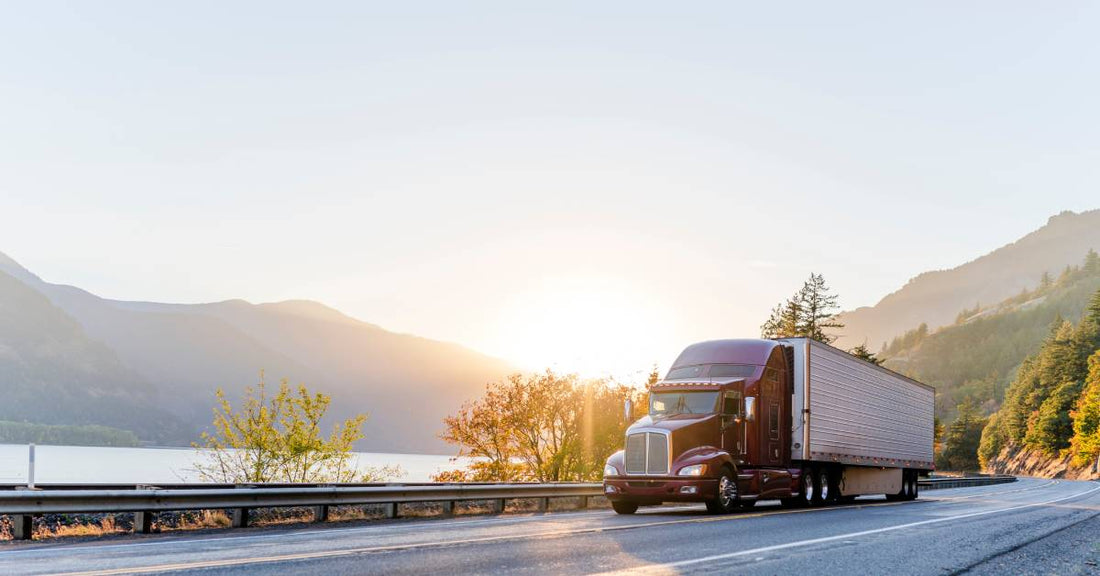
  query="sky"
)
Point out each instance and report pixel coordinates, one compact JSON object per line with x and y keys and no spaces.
{"x":586,"y":186}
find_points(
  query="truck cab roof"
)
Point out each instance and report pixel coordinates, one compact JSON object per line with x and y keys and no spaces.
{"x":730,"y":351}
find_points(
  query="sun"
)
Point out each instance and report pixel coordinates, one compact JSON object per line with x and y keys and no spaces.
{"x":592,"y":327}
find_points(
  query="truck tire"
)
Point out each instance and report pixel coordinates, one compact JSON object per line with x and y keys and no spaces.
{"x":625,"y":507}
{"x":916,"y":486}
{"x":799,"y":499}
{"x":911,"y":485}
{"x":725,"y":500}
{"x":824,"y":484}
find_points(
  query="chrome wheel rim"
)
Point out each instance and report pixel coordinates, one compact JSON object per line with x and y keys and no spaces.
{"x":808,"y":487}
{"x":727,"y":491}
{"x":824,"y":480}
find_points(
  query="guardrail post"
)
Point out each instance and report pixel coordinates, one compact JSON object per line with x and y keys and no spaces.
{"x":498,"y":506}
{"x":143,"y":522}
{"x":240,"y":518}
{"x":391,"y":509}
{"x":22,"y":526}
{"x":448,"y":508}
{"x":584,"y":502}
{"x":543,"y":504}
{"x":320,"y":513}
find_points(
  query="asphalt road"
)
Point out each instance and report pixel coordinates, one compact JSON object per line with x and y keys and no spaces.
{"x":1028,"y":527}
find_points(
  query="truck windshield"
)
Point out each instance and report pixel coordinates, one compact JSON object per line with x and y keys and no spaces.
{"x":669,"y":403}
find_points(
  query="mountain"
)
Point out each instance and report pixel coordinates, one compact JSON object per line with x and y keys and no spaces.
{"x":935,"y":298}
{"x":1012,"y":379}
{"x":52,"y":372}
{"x":174,"y":356}
{"x":977,"y":356}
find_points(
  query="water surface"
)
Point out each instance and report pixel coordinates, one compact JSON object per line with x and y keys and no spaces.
{"x":89,"y":464}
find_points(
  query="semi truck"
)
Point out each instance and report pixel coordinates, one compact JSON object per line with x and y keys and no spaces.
{"x":734,"y":422}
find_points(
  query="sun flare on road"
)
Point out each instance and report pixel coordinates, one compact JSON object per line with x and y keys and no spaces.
{"x":593,"y":328}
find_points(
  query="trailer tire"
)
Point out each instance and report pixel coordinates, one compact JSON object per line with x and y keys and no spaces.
{"x":725,"y":500}
{"x":624,"y":507}
{"x":911,"y":485}
{"x":824,"y":492}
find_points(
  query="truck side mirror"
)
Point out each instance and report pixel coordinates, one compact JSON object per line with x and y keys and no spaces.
{"x":628,"y":410}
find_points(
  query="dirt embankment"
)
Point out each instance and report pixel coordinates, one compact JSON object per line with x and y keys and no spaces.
{"x":1026,"y":462}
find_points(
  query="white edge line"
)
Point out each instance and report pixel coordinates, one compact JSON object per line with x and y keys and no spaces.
{"x":657,"y":567}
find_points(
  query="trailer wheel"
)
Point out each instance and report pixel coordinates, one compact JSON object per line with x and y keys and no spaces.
{"x":625,"y":507}
{"x":916,"y":486}
{"x":911,"y":485}
{"x":823,"y":482}
{"x":726,"y":499}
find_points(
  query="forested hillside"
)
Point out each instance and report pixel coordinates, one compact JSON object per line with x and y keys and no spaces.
{"x":1053,"y":405}
{"x":989,"y":350}
{"x":976,"y":357}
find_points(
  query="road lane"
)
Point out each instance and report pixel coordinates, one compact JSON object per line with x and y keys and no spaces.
{"x":944,"y":531}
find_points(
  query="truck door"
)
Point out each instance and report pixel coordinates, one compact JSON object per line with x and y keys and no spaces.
{"x":771,"y":419}
{"x":733,"y":436}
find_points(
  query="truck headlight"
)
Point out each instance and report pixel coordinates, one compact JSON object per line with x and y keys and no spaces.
{"x":696,"y":470}
{"x":610,"y":470}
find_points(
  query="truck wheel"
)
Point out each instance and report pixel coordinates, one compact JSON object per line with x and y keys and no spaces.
{"x":725,"y":501}
{"x":625,"y":507}
{"x":824,"y":494}
{"x":916,"y":486}
{"x":807,"y":491}
{"x":911,"y":485}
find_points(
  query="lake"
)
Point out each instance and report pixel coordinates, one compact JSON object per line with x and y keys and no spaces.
{"x":88,"y":464}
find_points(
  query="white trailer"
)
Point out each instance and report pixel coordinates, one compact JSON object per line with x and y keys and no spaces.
{"x":871,"y":420}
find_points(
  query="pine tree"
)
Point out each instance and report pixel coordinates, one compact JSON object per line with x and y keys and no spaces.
{"x":1093,"y":312}
{"x":1086,"y":417}
{"x":863,"y":353}
{"x":1066,"y":275}
{"x":1045,"y":282}
{"x":1092,"y":262}
{"x":784,"y":321}
{"x":961,"y":440}
{"x":819,"y":309}
{"x":808,"y":314}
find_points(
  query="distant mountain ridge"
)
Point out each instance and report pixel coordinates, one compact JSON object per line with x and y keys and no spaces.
{"x":937,"y":297}
{"x":175,"y":355}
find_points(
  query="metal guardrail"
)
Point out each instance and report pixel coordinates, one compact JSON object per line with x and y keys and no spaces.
{"x":22,"y":504}
{"x":944,"y":482}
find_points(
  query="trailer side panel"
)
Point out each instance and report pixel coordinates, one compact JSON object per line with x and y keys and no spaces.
{"x":860,"y":413}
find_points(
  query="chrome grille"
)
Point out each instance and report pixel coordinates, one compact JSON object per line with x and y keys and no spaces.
{"x":635,"y":454}
{"x":658,"y":454}
{"x":647,"y":453}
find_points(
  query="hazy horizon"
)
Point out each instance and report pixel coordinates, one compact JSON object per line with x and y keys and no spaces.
{"x":589,"y":188}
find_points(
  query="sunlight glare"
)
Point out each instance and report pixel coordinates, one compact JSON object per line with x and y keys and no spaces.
{"x":594,"y":328}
